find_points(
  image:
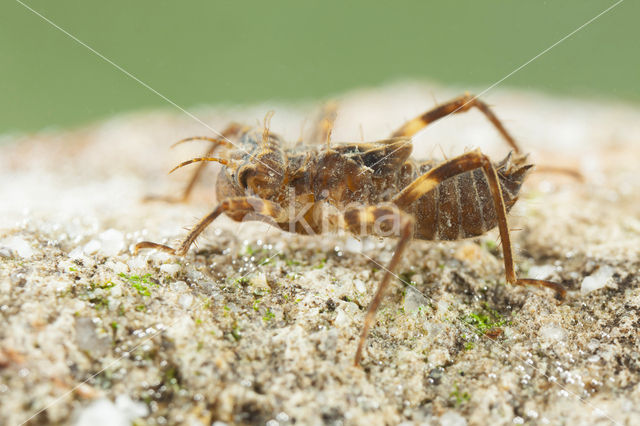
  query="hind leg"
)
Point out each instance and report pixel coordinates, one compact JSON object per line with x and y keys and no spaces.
{"x":457,"y":105}
{"x":463,"y":104}
{"x":461,"y":164}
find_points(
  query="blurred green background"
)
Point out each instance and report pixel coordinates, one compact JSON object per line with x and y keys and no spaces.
{"x":206,"y":52}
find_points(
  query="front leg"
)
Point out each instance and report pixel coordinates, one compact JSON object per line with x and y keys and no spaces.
{"x":382,"y":220}
{"x":236,"y":208}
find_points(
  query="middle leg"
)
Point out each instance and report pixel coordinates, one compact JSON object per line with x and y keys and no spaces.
{"x":382,"y":220}
{"x":324,"y":126}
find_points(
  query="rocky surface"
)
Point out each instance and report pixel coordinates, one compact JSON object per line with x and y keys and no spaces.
{"x":258,"y":326}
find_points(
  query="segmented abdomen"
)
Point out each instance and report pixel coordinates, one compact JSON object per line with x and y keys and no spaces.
{"x":461,"y":207}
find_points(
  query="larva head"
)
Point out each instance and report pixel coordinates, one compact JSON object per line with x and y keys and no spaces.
{"x":257,"y":168}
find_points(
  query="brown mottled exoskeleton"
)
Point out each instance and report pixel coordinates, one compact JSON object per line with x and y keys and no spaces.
{"x":366,"y":189}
